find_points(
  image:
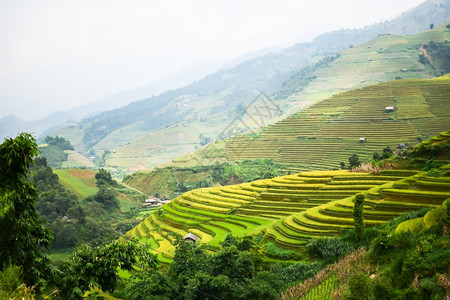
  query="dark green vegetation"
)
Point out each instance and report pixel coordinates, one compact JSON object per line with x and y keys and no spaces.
{"x":22,"y":232}
{"x":168,"y":181}
{"x":97,"y":267}
{"x":54,"y":151}
{"x":23,"y":235}
{"x":234,"y":272}
{"x":436,"y":57}
{"x":399,"y":263}
{"x":59,"y":142}
{"x":93,"y":219}
{"x":358,"y":217}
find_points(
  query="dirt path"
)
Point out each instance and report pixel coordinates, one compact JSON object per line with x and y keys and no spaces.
{"x":132,"y":188}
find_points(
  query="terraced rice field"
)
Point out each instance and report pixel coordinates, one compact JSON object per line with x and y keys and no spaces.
{"x":289,"y":210}
{"x":328,"y":132}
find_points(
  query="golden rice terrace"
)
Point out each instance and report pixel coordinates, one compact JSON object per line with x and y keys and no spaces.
{"x":290,"y":210}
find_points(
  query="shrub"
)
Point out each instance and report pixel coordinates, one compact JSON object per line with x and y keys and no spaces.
{"x":359,"y":287}
{"x":382,"y":290}
{"x":273,"y":250}
{"x":386,"y":243}
{"x":300,"y":271}
{"x":358,"y":215}
{"x":368,"y":234}
{"x":9,"y":281}
{"x":353,"y":161}
{"x":329,"y":248}
{"x":429,"y":289}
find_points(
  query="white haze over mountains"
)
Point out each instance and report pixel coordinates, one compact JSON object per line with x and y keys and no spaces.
{"x":58,"y":55}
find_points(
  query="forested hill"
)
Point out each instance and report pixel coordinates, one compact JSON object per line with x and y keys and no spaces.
{"x":82,"y":206}
{"x":226,"y":90}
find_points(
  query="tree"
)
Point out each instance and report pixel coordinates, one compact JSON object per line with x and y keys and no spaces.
{"x":387,"y":152}
{"x":264,"y":285}
{"x":353,"y":161}
{"x":188,"y":259}
{"x":376,"y":156}
{"x":342,"y":165}
{"x":358,"y":215}
{"x":204,"y":183}
{"x":96,"y":267}
{"x":107,"y":196}
{"x":103,"y":177}
{"x":150,"y":285}
{"x":431,"y":26}
{"x":60,"y":142}
{"x":22,"y":232}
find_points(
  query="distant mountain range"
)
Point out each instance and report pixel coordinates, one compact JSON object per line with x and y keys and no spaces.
{"x":11,"y":125}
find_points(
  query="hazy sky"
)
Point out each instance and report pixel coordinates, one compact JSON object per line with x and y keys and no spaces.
{"x":56,"y":55}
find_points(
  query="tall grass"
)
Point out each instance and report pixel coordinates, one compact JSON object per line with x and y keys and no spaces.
{"x":334,"y":277}
{"x":374,"y":169}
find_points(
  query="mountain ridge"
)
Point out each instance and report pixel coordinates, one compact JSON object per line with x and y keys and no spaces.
{"x":384,"y":58}
{"x":221,"y":93}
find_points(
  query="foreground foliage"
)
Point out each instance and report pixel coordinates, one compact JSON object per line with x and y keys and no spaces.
{"x":22,"y":232}
{"x":93,"y":220}
{"x":397,"y":265}
{"x":96,"y":267}
{"x":234,"y":272}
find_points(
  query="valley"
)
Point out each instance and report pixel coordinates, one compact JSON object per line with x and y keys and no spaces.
{"x":321,"y":171}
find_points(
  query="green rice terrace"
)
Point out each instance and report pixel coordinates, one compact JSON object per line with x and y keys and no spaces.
{"x":326,"y":133}
{"x":292,"y":209}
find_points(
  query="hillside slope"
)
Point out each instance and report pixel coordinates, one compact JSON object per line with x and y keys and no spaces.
{"x":293,"y":209}
{"x":328,"y":132}
{"x":384,"y":58}
{"x":221,"y":93}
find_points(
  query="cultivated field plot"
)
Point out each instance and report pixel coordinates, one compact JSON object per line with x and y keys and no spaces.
{"x":78,"y":181}
{"x":327,"y":133}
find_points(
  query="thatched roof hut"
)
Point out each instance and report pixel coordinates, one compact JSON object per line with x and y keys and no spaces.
{"x":190,"y":237}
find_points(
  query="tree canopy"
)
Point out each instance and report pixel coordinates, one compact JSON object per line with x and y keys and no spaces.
{"x":22,"y":232}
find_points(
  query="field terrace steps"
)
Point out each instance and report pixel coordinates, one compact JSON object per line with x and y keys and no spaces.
{"x":158,"y":239}
{"x":326,"y":133}
{"x":408,"y":190}
{"x":289,"y":210}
